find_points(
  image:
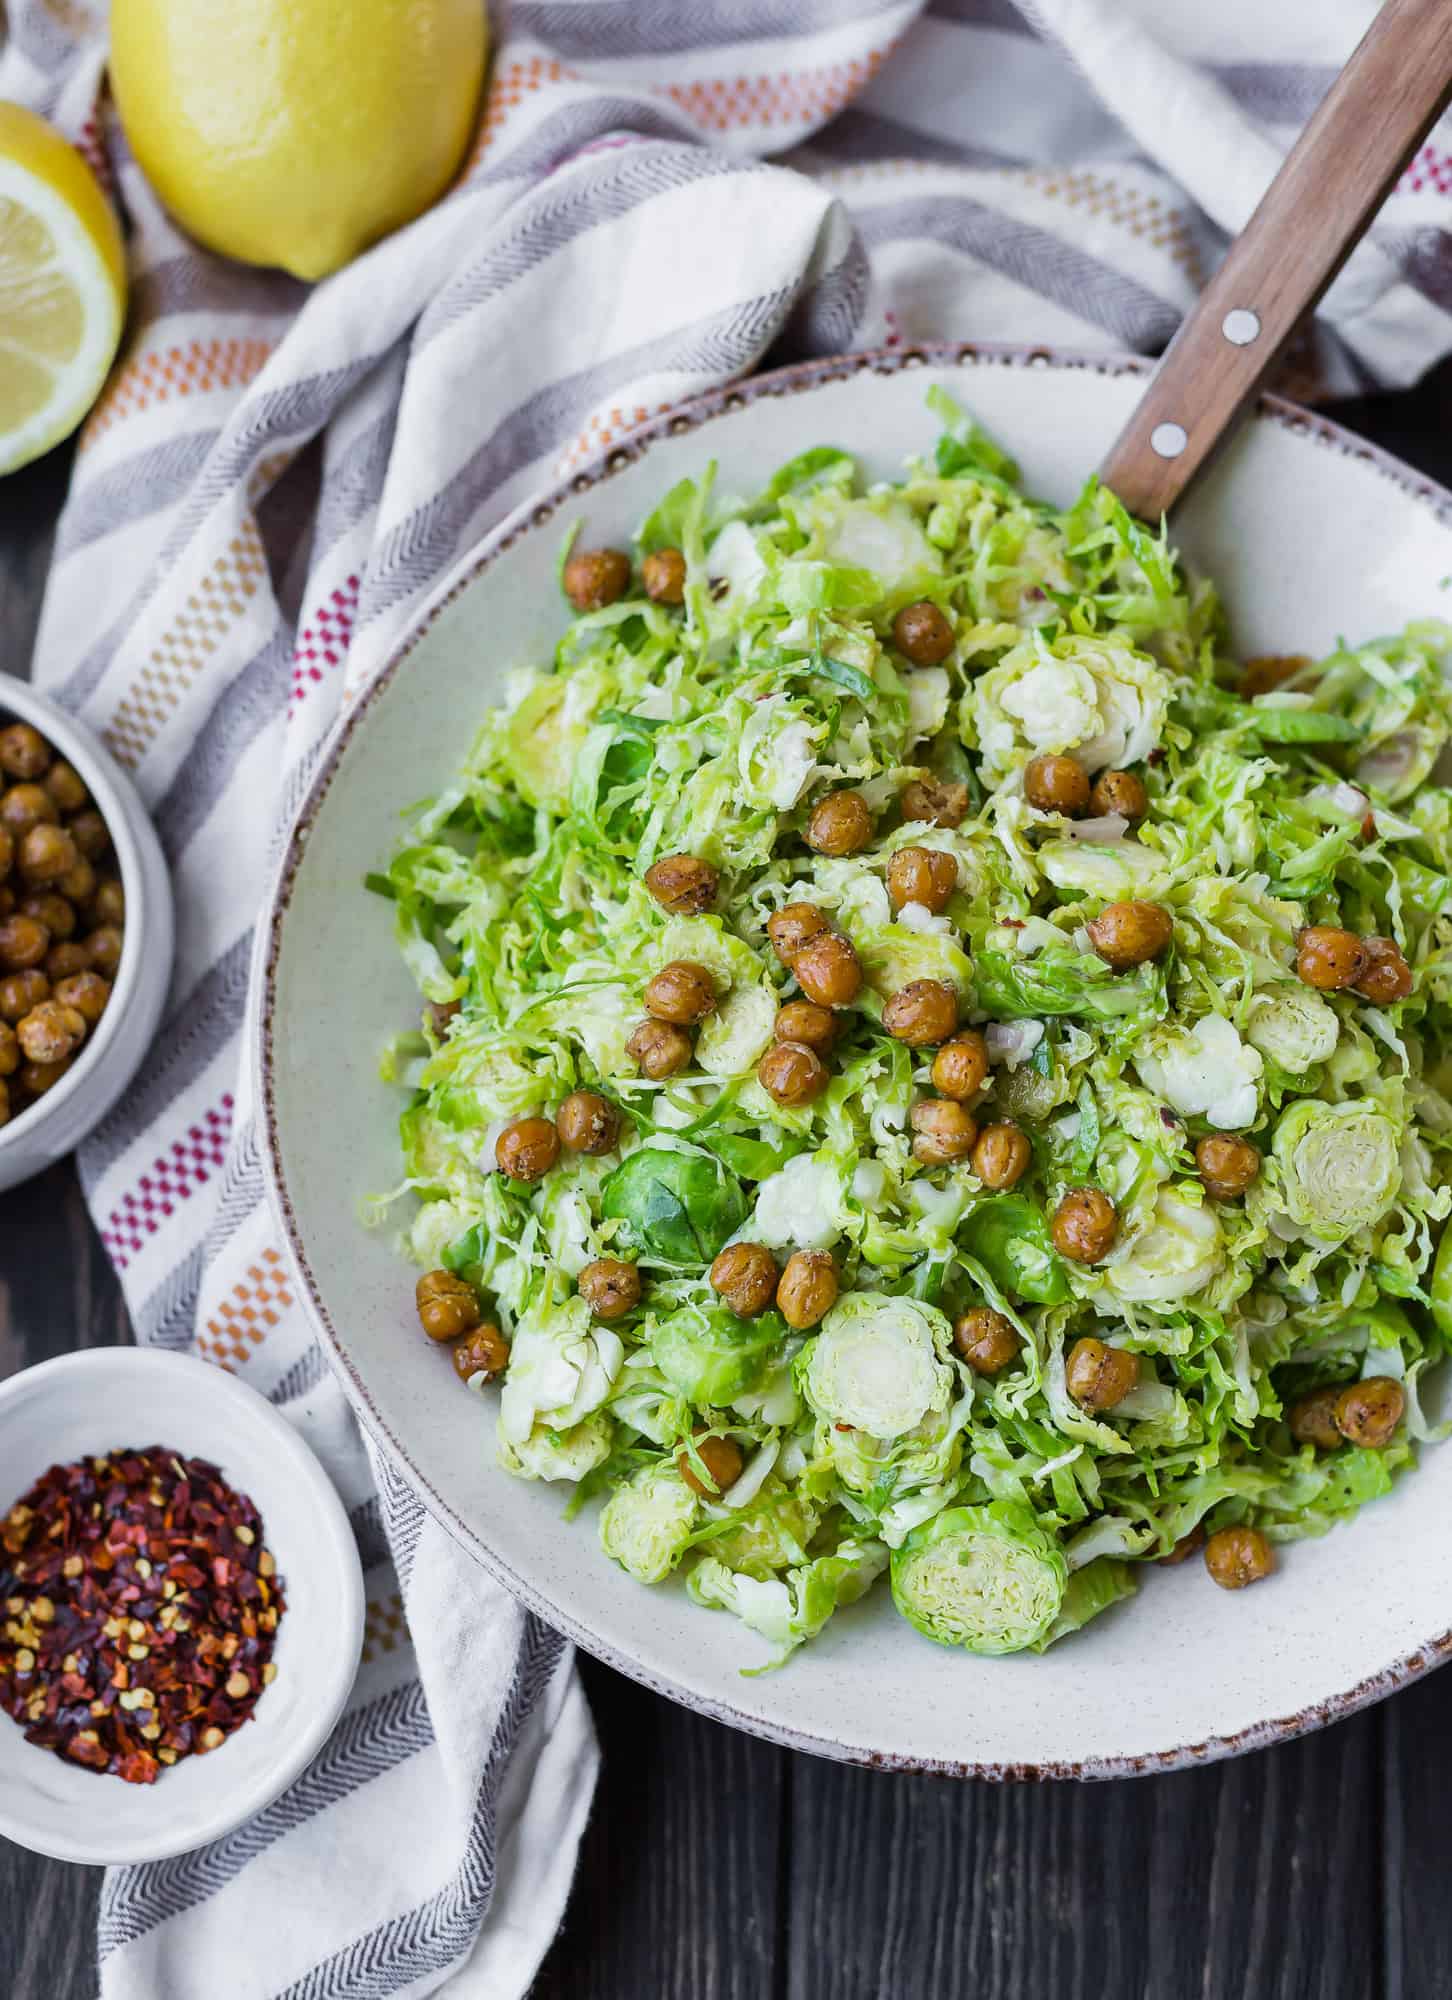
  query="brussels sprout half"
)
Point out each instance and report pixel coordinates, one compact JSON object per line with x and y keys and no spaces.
{"x":987,"y":1579}
{"x":679,"y":1206}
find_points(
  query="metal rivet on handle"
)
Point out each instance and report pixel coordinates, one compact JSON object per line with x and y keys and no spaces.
{"x":1240,"y":326}
{"x":1169,"y":440}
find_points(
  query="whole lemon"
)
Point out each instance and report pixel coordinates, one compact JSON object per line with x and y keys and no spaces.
{"x":297,"y":132}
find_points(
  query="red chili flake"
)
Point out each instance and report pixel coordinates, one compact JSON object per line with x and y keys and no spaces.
{"x":138,"y":1611}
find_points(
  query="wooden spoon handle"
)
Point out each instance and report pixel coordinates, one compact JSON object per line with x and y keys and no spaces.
{"x":1309,"y":220}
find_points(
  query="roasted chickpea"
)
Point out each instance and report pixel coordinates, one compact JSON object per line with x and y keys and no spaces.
{"x":24,"y":752}
{"x":1098,"y":1376}
{"x":51,"y":1032}
{"x":66,"y":786}
{"x":611,"y":1287}
{"x":1085,"y":1225}
{"x":1226,"y":1165}
{"x":723,"y":1462}
{"x":1187,"y":1546}
{"x":808,"y":1288}
{"x":1056,"y":785}
{"x":484,"y":1352}
{"x":1329,"y":958}
{"x":1238,"y":1556}
{"x":440,"y":1013}
{"x":828,"y":970}
{"x":683,"y":992}
{"x":1002,"y":1156}
{"x":1130,"y":934}
{"x":987,"y":1340}
{"x":24,"y":941}
{"x":683,"y":884}
{"x":88,"y":830}
{"x":923,"y":1012}
{"x":7,"y":852}
{"x":792,"y":1073}
{"x":939,"y":801}
{"x":87,"y":992}
{"x":587,"y":1122}
{"x":596,"y":577}
{"x":943,"y":1131}
{"x":793,"y":926}
{"x":447,"y":1305}
{"x":1119,"y":792}
{"x":960,"y":1068}
{"x":108,"y":902}
{"x":105,"y":947}
{"x":7,"y":899}
{"x":663,"y":573}
{"x":1367,"y":1413}
{"x":1270,"y":670}
{"x":921,"y":875}
{"x":78,"y":885}
{"x":660,"y":1048}
{"x":4,"y":1102}
{"x":922,"y":634}
{"x":805,"y":1022}
{"x":839,"y":824}
{"x":1385,"y":976}
{"x":54,"y":911}
{"x":37,"y":1078}
{"x":45,"y":853}
{"x":20,"y":991}
{"x":9,"y":1050}
{"x":527,"y":1148}
{"x":25,"y":806}
{"x":1312,"y":1419}
{"x":746,"y":1276}
{"x":64,"y":961}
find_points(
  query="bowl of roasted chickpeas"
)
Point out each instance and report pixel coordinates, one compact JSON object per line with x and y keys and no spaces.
{"x":85,"y":932}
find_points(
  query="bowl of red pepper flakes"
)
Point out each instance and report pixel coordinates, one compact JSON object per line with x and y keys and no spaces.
{"x":180,"y":1622}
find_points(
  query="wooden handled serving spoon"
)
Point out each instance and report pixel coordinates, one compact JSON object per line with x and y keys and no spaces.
{"x":1311,"y":217}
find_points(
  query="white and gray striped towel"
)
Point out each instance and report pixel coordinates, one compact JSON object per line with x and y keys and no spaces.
{"x":266,"y":491}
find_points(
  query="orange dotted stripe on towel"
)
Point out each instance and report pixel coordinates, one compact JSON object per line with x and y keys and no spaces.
{"x":161,"y":373}
{"x":242,"y":1322}
{"x":604,"y":428}
{"x":512,"y":84}
{"x":790,"y":98}
{"x":172,"y":1178}
{"x":1130,"y":208}
{"x":384,"y":1628}
{"x":216,"y":604}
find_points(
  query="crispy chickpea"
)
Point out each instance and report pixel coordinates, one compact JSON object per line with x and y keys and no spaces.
{"x":1312,"y":1419}
{"x":808,"y":1288}
{"x":1238,"y":1556}
{"x":723,"y":1462}
{"x":839,"y":824}
{"x":7,"y":851}
{"x":66,"y":786}
{"x":37,"y":1078}
{"x":1098,"y":1376}
{"x":7,"y":899}
{"x":54,"y":911}
{"x":51,"y":1032}
{"x":987,"y":1340}
{"x":9,"y":1050}
{"x":64,"y":961}
{"x":683,"y":992}
{"x":78,"y":884}
{"x":1367,"y":1413}
{"x":804,"y":1022}
{"x":1187,"y":1546}
{"x":4,"y":1102}
{"x":663,"y":573}
{"x":527,"y":1148}
{"x":484,"y":1352}
{"x":1226,"y":1165}
{"x":1129,"y":934}
{"x":24,"y":752}
{"x":87,"y":992}
{"x":828,"y":970}
{"x":440,"y":1013}
{"x":88,"y":830}
{"x":611,"y":1287}
{"x":960,"y":1068}
{"x":447,"y":1305}
{"x":683,"y":884}
{"x":1085,"y":1225}
{"x":792,"y":1074}
{"x":939,"y":801}
{"x":943,"y":1131}
{"x":24,"y":941}
{"x":793,"y":926}
{"x":108,"y":901}
{"x":594,"y":578}
{"x":45,"y":853}
{"x":746,"y":1276}
{"x":587,"y":1122}
{"x":1119,"y":792}
{"x":20,"y":991}
{"x":25,"y":806}
{"x":1329,"y":958}
{"x":660,"y":1048}
{"x":922,"y":634}
{"x":921,"y":875}
{"x":1057,"y":785}
{"x":1385,"y":977}
{"x":1270,"y":670}
{"x":105,"y":945}
{"x":1002,"y":1156}
{"x":923,"y":1012}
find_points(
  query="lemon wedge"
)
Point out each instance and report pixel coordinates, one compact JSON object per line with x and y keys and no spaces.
{"x":62,"y":287}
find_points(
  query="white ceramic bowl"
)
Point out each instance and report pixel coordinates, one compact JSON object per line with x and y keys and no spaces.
{"x":56,"y":1123}
{"x":108,"y":1397}
{"x":1312,"y":534}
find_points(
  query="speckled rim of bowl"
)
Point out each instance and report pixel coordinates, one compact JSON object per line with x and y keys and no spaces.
{"x":797,"y":379}
{"x":149,"y":924}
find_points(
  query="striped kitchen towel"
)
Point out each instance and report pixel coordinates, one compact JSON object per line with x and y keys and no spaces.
{"x":272,"y":481}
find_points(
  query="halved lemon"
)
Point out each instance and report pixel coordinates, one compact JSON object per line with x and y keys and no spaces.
{"x":62,"y":287}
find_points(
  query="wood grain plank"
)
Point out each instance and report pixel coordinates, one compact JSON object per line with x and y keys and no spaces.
{"x":47,"y":1927}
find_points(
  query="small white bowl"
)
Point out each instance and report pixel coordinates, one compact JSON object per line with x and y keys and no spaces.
{"x":56,"y":1123}
{"x":109,"y":1397}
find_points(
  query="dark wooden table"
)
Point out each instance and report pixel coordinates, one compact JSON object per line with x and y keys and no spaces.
{"x":720,"y":1868}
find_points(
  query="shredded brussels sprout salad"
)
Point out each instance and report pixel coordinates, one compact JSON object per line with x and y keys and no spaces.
{"x":932,"y":1066}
